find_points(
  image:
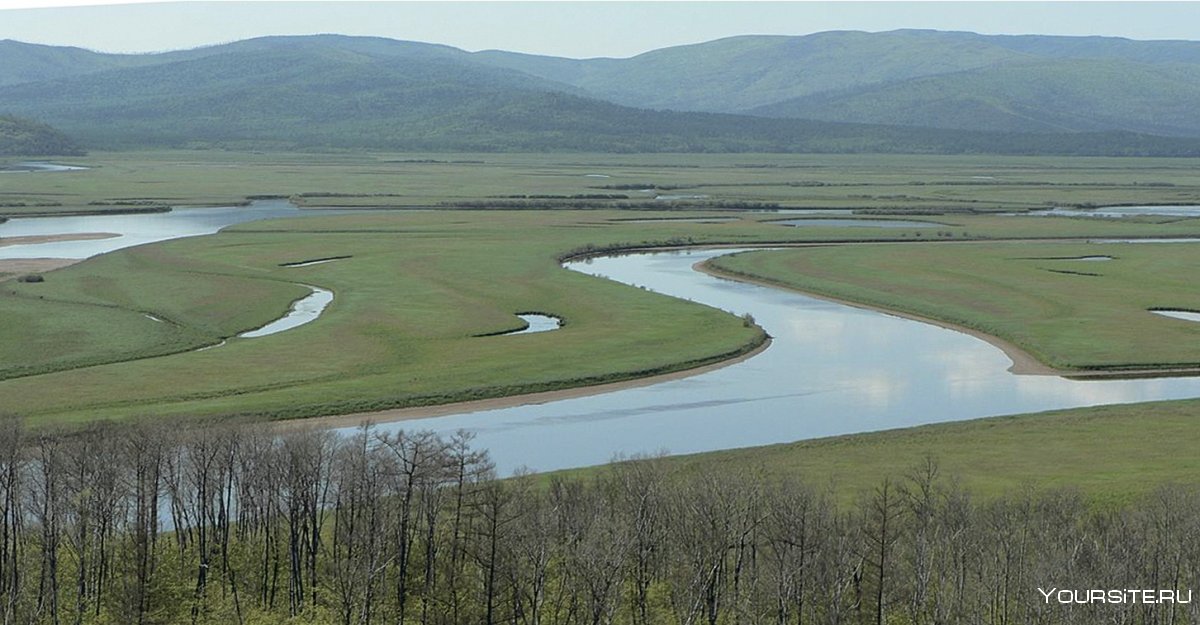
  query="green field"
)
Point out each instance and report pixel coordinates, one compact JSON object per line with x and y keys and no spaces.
{"x":421,"y":286}
{"x":1111,"y":454}
{"x":879,"y":182}
{"x":402,"y":329}
{"x":1068,"y":313}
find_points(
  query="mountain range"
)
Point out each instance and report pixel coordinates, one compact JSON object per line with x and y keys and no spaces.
{"x":845,"y":91}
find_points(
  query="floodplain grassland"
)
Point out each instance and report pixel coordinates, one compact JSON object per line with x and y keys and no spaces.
{"x":148,"y":179}
{"x":410,"y":301}
{"x":1074,"y":315}
{"x":116,"y":336}
{"x":1110,"y":454}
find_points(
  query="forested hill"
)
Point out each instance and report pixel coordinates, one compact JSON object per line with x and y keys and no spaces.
{"x":949,"y":79}
{"x":23,"y":137}
{"x":337,"y":92}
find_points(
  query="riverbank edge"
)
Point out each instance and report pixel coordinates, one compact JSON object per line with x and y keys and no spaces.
{"x":752,"y":349}
{"x":37,"y":239}
{"x":1024,"y":362}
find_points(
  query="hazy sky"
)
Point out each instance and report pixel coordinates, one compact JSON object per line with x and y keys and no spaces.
{"x":574,"y":29}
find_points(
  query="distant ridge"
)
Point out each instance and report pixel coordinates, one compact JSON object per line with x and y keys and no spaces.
{"x":902,"y":91}
{"x":1120,"y":84}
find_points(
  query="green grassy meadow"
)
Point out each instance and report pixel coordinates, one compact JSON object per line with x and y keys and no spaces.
{"x":410,"y":303}
{"x":1110,"y":454}
{"x":419,"y":287}
{"x":1068,"y":313}
{"x":121,"y":180}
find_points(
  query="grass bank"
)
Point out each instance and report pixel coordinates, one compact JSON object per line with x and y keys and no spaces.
{"x":115,"y":336}
{"x":414,"y":294}
{"x":1074,"y":315}
{"x":1111,"y":454}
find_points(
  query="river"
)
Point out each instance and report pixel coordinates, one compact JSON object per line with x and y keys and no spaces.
{"x":831,"y":369}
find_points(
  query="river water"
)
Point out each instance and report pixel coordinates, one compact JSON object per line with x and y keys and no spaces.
{"x":831,"y":369}
{"x":134,"y":229}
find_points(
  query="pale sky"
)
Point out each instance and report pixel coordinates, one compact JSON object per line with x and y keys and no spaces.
{"x":572,"y":29}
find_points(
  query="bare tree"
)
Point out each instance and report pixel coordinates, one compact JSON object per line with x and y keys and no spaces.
{"x":12,"y":470}
{"x":641,"y":498}
{"x":794,"y":530}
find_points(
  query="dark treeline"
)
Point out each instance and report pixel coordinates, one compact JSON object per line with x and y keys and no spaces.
{"x":229,"y":524}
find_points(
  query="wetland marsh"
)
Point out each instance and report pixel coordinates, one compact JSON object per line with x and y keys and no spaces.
{"x":420,"y":295}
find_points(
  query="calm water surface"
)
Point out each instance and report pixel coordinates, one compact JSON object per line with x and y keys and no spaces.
{"x":1122,"y":211}
{"x":831,"y":369}
{"x":28,"y":167}
{"x":303,"y":310}
{"x":1185,"y":315}
{"x":538,"y":323}
{"x":134,"y":229}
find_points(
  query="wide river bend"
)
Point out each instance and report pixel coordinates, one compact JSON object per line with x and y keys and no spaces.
{"x":831,"y":368}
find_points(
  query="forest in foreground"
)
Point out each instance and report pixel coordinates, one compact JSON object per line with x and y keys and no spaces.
{"x":146,"y":523}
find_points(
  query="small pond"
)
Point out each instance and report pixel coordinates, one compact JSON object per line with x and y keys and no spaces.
{"x":303,"y":310}
{"x":1186,"y":315}
{"x":538,"y":323}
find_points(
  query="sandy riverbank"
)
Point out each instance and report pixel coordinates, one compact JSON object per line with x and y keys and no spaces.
{"x":33,"y":265}
{"x":55,"y":238}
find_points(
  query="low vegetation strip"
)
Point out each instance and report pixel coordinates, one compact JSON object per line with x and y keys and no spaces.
{"x":116,"y":181}
{"x":1110,"y":455}
{"x":1098,"y":322}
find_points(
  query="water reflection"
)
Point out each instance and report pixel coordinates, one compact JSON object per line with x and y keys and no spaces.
{"x":1121,"y":211}
{"x":134,"y":229}
{"x":831,"y":369}
{"x":39,"y":166}
{"x":538,"y":323}
{"x":303,"y":310}
{"x":1185,"y":315}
